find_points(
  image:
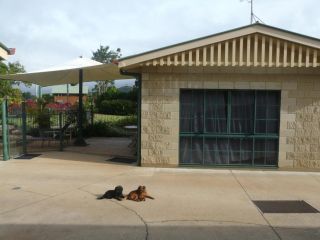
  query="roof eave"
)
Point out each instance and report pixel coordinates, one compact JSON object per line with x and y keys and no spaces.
{"x":4,"y":47}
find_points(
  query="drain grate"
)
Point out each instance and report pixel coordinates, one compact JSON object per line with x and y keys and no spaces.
{"x":285,"y":206}
{"x":27,"y":156}
{"x":122,"y":160}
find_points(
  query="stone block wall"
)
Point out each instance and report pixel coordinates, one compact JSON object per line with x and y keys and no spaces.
{"x":303,"y":123}
{"x":299,"y":144}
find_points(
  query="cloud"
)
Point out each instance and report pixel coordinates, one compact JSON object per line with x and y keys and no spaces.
{"x":46,"y":33}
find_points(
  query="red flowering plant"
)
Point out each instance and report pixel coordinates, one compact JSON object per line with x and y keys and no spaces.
{"x":31,"y":106}
{"x":58,"y":107}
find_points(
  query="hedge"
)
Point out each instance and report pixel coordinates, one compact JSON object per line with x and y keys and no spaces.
{"x":104,"y":129}
{"x":118,"y":107}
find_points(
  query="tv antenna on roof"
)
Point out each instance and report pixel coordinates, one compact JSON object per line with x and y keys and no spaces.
{"x":253,"y":17}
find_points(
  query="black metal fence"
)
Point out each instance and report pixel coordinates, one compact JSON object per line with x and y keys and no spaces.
{"x":30,"y":129}
{"x":14,"y":125}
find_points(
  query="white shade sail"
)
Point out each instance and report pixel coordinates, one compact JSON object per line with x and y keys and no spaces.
{"x":69,"y":73}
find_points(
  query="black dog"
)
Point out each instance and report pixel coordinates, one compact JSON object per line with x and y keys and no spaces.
{"x":116,"y":194}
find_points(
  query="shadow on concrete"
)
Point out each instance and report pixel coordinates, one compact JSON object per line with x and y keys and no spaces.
{"x":67,"y":156}
{"x":98,"y":150}
{"x":190,"y":231}
{"x":106,"y":147}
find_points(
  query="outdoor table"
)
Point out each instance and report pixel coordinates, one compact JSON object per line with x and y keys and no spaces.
{"x":52,"y":132}
{"x":131,"y":128}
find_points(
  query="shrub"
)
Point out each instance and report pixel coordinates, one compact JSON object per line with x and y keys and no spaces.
{"x":118,"y":107}
{"x":128,"y":120}
{"x":103,"y":129}
{"x":34,"y":132}
{"x":112,"y":93}
{"x":43,"y":120}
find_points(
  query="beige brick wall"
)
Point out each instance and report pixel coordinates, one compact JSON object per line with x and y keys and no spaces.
{"x":299,"y":118}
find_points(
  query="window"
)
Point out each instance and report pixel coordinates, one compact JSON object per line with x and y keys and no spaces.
{"x":192,"y":114}
{"x":221,"y":127}
{"x":267,"y":113}
{"x":242,"y":109}
{"x":191,"y":149}
{"x":215,"y":111}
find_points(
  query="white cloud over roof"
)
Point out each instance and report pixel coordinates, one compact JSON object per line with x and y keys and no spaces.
{"x":48,"y":32}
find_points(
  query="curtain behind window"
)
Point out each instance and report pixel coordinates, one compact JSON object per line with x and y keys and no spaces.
{"x":191,"y":116}
{"x":242,"y":110}
{"x":216,"y":110}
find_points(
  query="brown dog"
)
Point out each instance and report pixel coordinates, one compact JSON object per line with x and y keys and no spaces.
{"x":139,"y":195}
{"x":143,"y":194}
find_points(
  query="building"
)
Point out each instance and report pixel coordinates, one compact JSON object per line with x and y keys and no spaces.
{"x":245,"y":97}
{"x":68,"y":93}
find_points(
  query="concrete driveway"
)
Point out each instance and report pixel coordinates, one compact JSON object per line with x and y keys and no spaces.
{"x":54,"y":197}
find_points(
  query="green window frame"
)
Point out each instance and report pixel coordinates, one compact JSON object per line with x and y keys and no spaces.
{"x":229,"y":127}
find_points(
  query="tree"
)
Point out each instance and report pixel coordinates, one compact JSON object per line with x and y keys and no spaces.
{"x":15,"y":67}
{"x":28,"y":95}
{"x":113,"y":101}
{"x":105,"y":55}
{"x":48,"y":98}
{"x":6,"y":87}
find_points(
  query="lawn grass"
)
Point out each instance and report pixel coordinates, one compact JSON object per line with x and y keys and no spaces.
{"x":106,"y":118}
{"x":109,"y":118}
{"x":110,"y":126}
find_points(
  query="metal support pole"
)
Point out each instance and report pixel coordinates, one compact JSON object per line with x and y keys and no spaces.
{"x":24,"y":127}
{"x":38,"y":91}
{"x":80,"y":140}
{"x":61,"y":132}
{"x":5,"y":144}
{"x":139,"y":78}
{"x":92,"y":114}
{"x":68,"y":93}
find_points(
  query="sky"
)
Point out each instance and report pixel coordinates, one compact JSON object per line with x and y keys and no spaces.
{"x":46,"y":33}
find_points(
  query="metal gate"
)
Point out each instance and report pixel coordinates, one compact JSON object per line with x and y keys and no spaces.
{"x":24,"y":129}
{"x":2,"y":130}
{"x":11,"y":137}
{"x":15,"y":138}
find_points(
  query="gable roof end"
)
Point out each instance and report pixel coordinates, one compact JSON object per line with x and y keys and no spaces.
{"x":299,"y":50}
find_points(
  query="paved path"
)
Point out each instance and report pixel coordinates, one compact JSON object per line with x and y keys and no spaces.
{"x":54,"y":197}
